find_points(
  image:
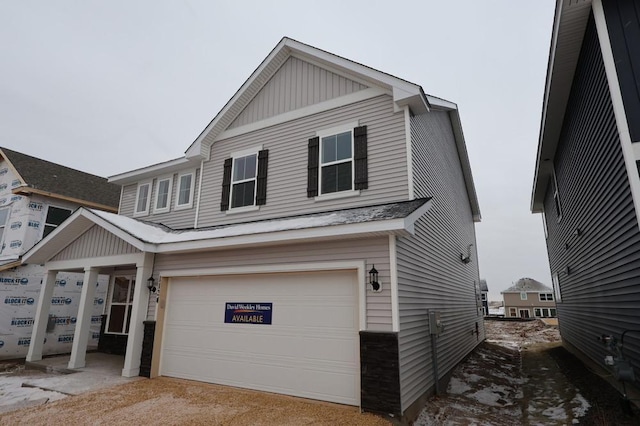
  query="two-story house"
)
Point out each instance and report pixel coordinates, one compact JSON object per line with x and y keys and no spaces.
{"x":529,"y":298}
{"x":310,"y":242}
{"x":586,"y":181}
{"x":36,"y":196}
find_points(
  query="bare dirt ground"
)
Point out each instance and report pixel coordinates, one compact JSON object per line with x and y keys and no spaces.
{"x":520,"y":376}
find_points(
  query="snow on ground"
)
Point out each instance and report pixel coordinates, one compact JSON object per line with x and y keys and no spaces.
{"x":508,"y":380}
{"x":14,"y":395}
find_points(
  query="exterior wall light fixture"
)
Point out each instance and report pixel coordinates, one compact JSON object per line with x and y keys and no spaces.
{"x":151,"y":284}
{"x":376,"y":285}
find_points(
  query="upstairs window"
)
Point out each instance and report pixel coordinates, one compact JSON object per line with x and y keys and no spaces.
{"x":546,"y":297}
{"x":523,"y":295}
{"x":243,"y":184}
{"x":4,"y":216}
{"x":55,"y":216}
{"x":244,"y":180}
{"x":337,"y":161}
{"x":556,"y":287}
{"x":556,"y":198}
{"x":184,"y":198}
{"x":163,"y":195}
{"x":143,"y":198}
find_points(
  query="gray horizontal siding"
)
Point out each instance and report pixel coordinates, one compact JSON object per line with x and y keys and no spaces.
{"x":372,"y":251}
{"x":430,"y":273}
{"x":287,"y":176}
{"x":96,"y":242}
{"x":601,"y":287}
{"x":176,"y":219}
{"x":295,"y":85}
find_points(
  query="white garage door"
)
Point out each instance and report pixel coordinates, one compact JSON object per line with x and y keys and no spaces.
{"x":310,"y":349}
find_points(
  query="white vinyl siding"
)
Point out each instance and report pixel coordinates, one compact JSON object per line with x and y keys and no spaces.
{"x":95,"y":242}
{"x":288,"y":152}
{"x":431,"y":275}
{"x":295,"y":85}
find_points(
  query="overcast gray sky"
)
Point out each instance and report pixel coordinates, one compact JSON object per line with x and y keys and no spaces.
{"x":107,"y":87}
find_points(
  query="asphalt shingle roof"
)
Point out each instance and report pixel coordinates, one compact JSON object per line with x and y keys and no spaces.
{"x":527,"y":284}
{"x":50,"y":177}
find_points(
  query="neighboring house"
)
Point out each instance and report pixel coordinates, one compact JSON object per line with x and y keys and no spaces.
{"x":586,"y":178}
{"x":484,"y":291}
{"x":309,"y":241}
{"x":36,"y":196}
{"x":529,"y":298}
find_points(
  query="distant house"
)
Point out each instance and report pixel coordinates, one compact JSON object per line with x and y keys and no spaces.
{"x":310,"y":242}
{"x":586,"y":183}
{"x":484,"y":292}
{"x":37,"y":196}
{"x":529,"y":298}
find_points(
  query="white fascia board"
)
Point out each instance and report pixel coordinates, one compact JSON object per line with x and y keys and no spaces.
{"x":398,"y":226}
{"x":441,"y":103}
{"x":168,"y":167}
{"x":97,"y":262}
{"x":569,"y":18}
{"x":196,"y":147}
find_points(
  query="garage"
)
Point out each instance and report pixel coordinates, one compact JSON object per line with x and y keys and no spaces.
{"x":288,"y":333}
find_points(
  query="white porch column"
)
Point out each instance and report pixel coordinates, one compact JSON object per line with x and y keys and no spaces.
{"x":42,"y":316}
{"x":83,"y":323}
{"x":138,"y":315}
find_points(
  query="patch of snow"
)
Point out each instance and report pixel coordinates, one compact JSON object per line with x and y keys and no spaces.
{"x":583,"y":405}
{"x":491,"y":395}
{"x":555,"y":413}
{"x":496,"y":311}
{"x":457,"y":386}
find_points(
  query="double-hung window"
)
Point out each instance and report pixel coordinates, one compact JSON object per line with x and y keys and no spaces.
{"x":184,"y":197}
{"x":243,"y":183}
{"x":143,"y":199}
{"x":556,"y":287}
{"x":244,"y":180}
{"x":163,"y":195}
{"x":336,"y":162}
{"x":523,"y":295}
{"x":55,"y":216}
{"x":546,"y":297}
{"x":556,"y":198}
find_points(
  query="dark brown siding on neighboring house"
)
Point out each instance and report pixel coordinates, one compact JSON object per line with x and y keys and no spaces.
{"x":595,"y":246}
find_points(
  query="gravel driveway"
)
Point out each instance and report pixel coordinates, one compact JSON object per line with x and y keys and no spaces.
{"x":173,"y":401}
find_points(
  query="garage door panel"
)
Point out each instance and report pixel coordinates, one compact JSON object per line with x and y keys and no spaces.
{"x":310,"y":349}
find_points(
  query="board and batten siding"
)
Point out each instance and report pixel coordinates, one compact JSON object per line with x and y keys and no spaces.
{"x":594,"y":246}
{"x":288,"y":152}
{"x":295,"y":85}
{"x":431,"y":275}
{"x":95,"y":242}
{"x":176,"y":219}
{"x":371,"y":250}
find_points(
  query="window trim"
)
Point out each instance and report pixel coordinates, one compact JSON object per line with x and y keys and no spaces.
{"x":234,"y":156}
{"x":523,"y":295}
{"x":144,"y":212}
{"x":128,"y":304}
{"x":44,"y":220}
{"x":189,"y":204}
{"x":3,"y":226}
{"x":157,"y":192}
{"x":557,"y":293}
{"x":331,"y":131}
{"x":556,"y":197}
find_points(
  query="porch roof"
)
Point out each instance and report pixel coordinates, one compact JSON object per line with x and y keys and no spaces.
{"x":393,"y":218}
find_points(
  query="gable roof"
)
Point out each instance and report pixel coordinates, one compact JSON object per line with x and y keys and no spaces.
{"x":527,"y":284}
{"x":569,"y":26}
{"x":384,"y":219}
{"x":404,"y":93}
{"x":54,"y":180}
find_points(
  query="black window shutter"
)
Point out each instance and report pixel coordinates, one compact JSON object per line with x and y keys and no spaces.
{"x":226,"y":184}
{"x":312,"y":176}
{"x":261,"y":192}
{"x":360,"y":158}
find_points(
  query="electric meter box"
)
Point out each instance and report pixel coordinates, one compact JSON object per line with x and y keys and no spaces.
{"x":435,"y":323}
